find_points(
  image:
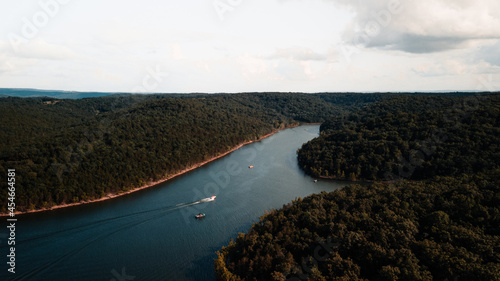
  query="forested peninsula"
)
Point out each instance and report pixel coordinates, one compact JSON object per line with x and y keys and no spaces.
{"x":68,"y":151}
{"x":431,"y":213}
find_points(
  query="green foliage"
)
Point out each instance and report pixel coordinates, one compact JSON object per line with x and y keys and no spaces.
{"x":444,"y":227}
{"x":408,"y":137}
{"x":309,"y":108}
{"x":67,"y":151}
{"x":438,"y":229}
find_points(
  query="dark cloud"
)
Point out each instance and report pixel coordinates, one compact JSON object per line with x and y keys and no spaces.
{"x":418,"y":44}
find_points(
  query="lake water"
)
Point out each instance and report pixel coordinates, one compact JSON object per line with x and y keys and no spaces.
{"x":153,"y":234}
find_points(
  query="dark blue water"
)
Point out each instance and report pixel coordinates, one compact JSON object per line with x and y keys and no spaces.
{"x":152,"y":234}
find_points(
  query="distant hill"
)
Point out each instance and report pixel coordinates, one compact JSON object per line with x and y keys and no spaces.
{"x":59,"y":94}
{"x":29,"y":93}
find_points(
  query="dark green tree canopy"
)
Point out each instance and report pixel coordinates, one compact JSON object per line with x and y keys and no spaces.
{"x":408,"y":137}
{"x":67,"y":151}
{"x":433,"y":214}
{"x":440,"y":229}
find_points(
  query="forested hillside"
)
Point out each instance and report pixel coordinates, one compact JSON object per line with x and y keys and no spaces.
{"x":66,"y":151}
{"x":433,"y":214}
{"x":444,"y":229}
{"x":312,"y":108}
{"x":408,"y":137}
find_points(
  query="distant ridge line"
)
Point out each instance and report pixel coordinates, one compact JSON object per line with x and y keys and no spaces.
{"x":63,"y":94}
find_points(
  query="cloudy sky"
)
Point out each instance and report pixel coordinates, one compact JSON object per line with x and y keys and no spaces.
{"x":250,"y":45}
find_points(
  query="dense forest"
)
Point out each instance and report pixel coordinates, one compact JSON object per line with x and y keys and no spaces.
{"x":67,"y":151}
{"x":432,"y":214}
{"x":408,"y":137}
{"x":443,"y":229}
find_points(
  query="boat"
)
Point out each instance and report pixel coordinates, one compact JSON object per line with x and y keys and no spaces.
{"x":200,"y":216}
{"x":251,"y":166}
{"x":211,"y":198}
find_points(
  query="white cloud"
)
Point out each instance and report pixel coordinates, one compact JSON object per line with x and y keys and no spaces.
{"x":424,"y":26}
{"x":252,"y":68}
{"x":297,"y":53}
{"x":40,"y":49}
{"x":177,"y":52}
{"x":454,"y":67}
{"x":262,"y":45}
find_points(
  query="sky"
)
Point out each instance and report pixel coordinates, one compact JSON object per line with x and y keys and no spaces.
{"x":250,"y":46}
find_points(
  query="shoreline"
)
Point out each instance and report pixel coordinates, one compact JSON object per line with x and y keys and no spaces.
{"x":114,"y":195}
{"x":350,"y":180}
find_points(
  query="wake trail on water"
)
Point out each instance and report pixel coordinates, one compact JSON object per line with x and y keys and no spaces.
{"x":107,"y":220}
{"x":83,"y":245}
{"x":159,"y":213}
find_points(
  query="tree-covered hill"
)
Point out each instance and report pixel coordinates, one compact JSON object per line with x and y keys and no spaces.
{"x":310,"y":108}
{"x":408,"y":137}
{"x":66,"y":151}
{"x":433,"y":214}
{"x":442,"y":229}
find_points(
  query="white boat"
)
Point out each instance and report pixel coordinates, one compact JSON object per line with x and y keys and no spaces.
{"x":212,"y":198}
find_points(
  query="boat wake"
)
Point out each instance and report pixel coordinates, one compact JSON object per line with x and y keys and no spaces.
{"x":120,"y":223}
{"x":162,"y":210}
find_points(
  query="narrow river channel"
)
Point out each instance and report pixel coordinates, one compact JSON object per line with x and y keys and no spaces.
{"x":153,"y":234}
